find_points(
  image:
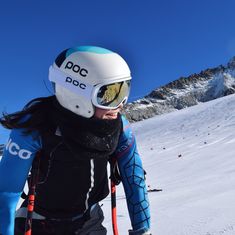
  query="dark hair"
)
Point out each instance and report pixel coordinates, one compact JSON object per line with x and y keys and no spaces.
{"x":34,"y":116}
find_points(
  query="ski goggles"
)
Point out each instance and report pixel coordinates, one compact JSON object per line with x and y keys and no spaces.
{"x":111,"y":96}
{"x":105,"y":96}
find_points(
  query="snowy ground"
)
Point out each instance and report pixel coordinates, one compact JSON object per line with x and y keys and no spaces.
{"x":190,"y":155}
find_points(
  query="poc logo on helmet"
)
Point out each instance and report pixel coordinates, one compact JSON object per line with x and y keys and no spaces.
{"x":14,"y":149}
{"x":76,"y":68}
{"x":75,"y":83}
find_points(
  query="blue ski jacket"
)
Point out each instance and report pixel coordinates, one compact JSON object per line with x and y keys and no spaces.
{"x":19,"y":154}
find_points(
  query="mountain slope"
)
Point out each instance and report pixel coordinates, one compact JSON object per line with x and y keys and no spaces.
{"x":185,"y":92}
{"x":190,"y":155}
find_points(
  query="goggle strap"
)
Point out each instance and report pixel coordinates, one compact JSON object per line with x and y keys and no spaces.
{"x":73,"y":84}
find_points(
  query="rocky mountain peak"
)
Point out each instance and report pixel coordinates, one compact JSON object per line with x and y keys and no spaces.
{"x":184,"y":92}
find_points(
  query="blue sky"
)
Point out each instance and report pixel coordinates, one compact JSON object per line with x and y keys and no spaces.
{"x":161,"y":40}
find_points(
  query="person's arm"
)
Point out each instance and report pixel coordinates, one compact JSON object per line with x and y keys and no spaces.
{"x":15,"y":164}
{"x":133,"y":180}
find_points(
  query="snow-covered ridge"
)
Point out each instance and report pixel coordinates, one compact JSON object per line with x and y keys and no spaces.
{"x":185,"y":92}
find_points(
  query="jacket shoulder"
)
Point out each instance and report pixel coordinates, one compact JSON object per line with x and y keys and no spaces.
{"x":125,"y":124}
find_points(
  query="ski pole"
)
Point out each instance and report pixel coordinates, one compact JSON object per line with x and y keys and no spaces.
{"x":114,"y":211}
{"x":31,"y":195}
{"x":113,"y":205}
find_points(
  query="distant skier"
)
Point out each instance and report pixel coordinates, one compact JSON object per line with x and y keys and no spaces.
{"x":73,"y":134}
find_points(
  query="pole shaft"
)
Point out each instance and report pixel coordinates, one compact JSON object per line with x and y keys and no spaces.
{"x":113,"y":205}
{"x":31,"y":195}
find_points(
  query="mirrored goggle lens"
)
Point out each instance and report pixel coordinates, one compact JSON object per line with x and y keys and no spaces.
{"x":112,"y":95}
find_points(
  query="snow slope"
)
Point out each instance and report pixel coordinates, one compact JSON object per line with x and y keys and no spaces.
{"x":190,"y":155}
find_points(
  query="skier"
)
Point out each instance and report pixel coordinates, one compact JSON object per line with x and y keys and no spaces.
{"x":74,"y":134}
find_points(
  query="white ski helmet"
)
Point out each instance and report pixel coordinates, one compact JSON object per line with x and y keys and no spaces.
{"x":89,"y":76}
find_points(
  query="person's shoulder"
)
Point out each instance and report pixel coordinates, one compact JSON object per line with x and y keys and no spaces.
{"x":126,"y":139}
{"x":20,"y":141}
{"x":125,"y":122}
{"x":23,"y":135}
{"x":126,"y":126}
